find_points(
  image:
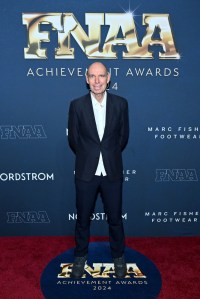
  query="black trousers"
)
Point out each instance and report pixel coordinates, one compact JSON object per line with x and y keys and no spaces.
{"x":86,"y":195}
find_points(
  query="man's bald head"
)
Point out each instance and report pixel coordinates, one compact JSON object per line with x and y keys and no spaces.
{"x":98,"y":77}
{"x":96,"y":65}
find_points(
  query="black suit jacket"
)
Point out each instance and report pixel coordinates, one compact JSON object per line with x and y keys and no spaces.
{"x":84,"y":139}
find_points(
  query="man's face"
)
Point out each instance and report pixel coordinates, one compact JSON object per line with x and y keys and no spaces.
{"x":97,"y":78}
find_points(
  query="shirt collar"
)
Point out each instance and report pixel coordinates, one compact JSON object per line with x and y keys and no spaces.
{"x":96,"y":103}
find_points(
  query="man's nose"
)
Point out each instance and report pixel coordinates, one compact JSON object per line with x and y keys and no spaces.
{"x":97,"y":79}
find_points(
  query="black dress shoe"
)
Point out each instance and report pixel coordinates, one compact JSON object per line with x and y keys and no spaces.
{"x":120,"y":267}
{"x":78,"y":266}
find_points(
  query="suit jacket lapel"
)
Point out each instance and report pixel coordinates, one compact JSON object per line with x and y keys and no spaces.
{"x":109,"y":114}
{"x":90,"y":116}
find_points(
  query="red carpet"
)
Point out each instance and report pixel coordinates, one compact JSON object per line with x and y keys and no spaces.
{"x":23,"y":259}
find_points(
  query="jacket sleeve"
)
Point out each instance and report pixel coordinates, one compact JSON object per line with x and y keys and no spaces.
{"x":73,"y":129}
{"x":124,"y":129}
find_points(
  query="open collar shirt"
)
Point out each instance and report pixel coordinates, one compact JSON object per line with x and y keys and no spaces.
{"x":100,"y":119}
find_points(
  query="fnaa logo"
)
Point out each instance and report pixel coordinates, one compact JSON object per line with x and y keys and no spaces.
{"x":101,"y":270}
{"x":143,"y":279}
{"x":28,"y":217}
{"x":22,"y":132}
{"x":119,"y":28}
{"x":176,"y":175}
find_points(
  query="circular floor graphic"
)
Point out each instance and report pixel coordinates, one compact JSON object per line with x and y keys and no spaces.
{"x":143,"y":280}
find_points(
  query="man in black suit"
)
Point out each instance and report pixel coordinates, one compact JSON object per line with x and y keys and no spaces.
{"x":98,"y":132}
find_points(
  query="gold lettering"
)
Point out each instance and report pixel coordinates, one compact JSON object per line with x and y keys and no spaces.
{"x":65,"y":271}
{"x":159,"y":22}
{"x":89,"y":44}
{"x":35,"y":36}
{"x":108,"y":269}
{"x":95,"y":271}
{"x":67,"y":25}
{"x":101,"y":270}
{"x":133,"y":269}
{"x":126,"y":23}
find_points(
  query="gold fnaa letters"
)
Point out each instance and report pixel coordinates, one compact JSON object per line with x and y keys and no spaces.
{"x":67,"y":26}
{"x":101,"y":270}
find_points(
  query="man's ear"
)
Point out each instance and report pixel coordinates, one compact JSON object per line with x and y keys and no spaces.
{"x":108,"y":78}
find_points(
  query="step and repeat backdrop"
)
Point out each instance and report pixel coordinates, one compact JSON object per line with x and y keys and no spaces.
{"x":151,"y":49}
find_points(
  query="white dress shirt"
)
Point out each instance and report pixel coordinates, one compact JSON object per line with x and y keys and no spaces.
{"x":100,"y":119}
